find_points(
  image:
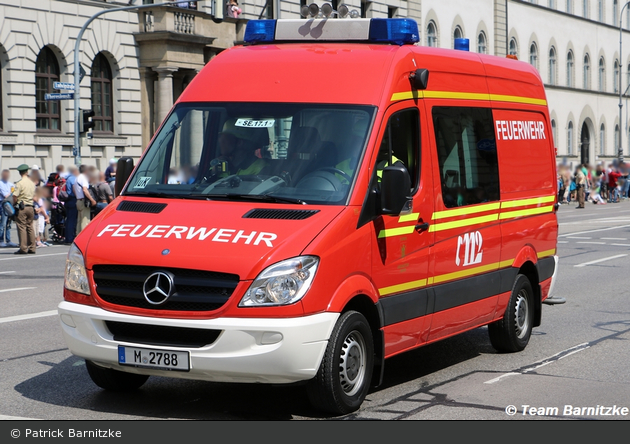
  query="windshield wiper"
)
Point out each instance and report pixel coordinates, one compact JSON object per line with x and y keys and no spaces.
{"x":164,"y":195}
{"x":259,"y":197}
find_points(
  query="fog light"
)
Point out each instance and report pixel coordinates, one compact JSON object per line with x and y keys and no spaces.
{"x":313,"y":10}
{"x":327,"y":9}
{"x":342,"y":10}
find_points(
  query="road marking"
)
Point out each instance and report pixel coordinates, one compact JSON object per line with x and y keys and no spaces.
{"x":41,"y":314}
{"x":563,"y":242}
{"x":614,"y":238}
{"x":589,"y":231}
{"x":601,"y":260}
{"x":576,"y":237}
{"x":17,"y":289}
{"x":596,"y":243}
{"x":621,"y":245}
{"x":31,"y":256}
{"x":6,"y":272}
{"x":498,"y":378}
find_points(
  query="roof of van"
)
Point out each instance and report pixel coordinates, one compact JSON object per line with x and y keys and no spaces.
{"x":356,"y":73}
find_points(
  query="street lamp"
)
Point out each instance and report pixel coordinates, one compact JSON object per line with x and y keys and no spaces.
{"x":77,"y":68}
{"x":620,"y":147}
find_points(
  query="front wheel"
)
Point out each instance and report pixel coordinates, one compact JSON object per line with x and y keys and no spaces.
{"x":114,"y":380}
{"x":344,"y":375}
{"x":512,"y":333}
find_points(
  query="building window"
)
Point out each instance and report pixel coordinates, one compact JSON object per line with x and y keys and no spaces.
{"x":552,"y":4}
{"x":617,"y":139}
{"x":569,"y":6}
{"x":615,"y":14}
{"x":533,"y":55}
{"x":600,"y":10}
{"x":616,"y":77}
{"x":432,"y":39}
{"x":554,"y":133}
{"x":391,"y":11}
{"x":365,"y":7}
{"x":457,"y":34}
{"x":46,"y":73}
{"x":482,"y":46}
{"x":602,"y":140}
{"x":601,"y":78}
{"x":587,"y":72}
{"x":513,"y":47}
{"x":585,"y":8}
{"x":102,"y":95}
{"x":1,"y":116}
{"x":570,"y":69}
{"x":570,"y":139}
{"x":552,"y":66}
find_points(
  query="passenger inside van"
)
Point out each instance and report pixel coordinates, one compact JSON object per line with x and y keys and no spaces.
{"x":237,"y":146}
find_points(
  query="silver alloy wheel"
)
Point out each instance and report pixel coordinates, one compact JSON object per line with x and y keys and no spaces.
{"x":352,"y":363}
{"x":521,"y":312}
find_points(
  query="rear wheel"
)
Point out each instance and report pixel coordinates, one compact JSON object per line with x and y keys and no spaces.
{"x":512,"y":333}
{"x":114,"y":380}
{"x":344,"y":376}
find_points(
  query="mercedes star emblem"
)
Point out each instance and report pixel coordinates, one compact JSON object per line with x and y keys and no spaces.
{"x":158,"y":288}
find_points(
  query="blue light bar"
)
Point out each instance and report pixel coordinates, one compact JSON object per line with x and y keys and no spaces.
{"x":462,"y":44}
{"x":399,"y":31}
{"x":259,"y":31}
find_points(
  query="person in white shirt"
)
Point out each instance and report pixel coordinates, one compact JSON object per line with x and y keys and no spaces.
{"x":6,"y":189}
{"x":84,"y":198}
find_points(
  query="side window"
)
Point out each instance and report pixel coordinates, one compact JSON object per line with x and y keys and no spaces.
{"x":402,"y":138}
{"x":467,"y":154}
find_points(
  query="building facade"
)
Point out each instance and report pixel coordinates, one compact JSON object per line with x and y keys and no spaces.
{"x":137,"y":63}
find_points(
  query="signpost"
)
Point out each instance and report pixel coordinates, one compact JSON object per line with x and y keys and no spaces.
{"x":64,"y":86}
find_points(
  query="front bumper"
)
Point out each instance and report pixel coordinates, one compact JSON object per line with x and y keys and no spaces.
{"x":263,"y":350}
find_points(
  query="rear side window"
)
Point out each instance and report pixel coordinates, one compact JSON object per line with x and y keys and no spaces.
{"x":467,"y":155}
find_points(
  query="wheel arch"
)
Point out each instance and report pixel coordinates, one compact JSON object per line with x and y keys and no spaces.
{"x":529,"y":269}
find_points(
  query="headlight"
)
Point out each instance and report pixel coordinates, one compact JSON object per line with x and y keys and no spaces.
{"x":76,"y":276}
{"x":282,"y":284}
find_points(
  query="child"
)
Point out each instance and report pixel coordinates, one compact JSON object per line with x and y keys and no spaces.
{"x":594,"y":195}
{"x":41,"y":217}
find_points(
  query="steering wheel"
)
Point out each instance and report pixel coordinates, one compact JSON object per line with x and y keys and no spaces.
{"x":337,"y":171}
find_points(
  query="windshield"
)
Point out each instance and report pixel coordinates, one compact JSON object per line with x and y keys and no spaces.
{"x":297,"y":153}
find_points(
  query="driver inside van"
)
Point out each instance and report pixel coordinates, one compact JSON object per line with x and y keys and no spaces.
{"x":238,"y":145}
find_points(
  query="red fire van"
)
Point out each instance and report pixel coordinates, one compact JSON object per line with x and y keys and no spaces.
{"x":324,"y":197}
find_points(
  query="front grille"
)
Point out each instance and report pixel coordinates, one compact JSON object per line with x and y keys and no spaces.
{"x":141,"y":207}
{"x":161,"y":335}
{"x":280,"y":214}
{"x":194,"y":290}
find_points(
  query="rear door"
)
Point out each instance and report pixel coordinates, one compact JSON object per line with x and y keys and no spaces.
{"x":402,"y":243}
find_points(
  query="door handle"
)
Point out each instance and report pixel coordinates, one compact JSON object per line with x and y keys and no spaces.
{"x":422,"y":227}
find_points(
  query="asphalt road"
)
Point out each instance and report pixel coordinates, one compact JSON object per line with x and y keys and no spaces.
{"x":578,"y":357}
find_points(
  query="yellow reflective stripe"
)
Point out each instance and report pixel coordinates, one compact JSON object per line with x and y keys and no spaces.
{"x":409,"y":217}
{"x":517,"y":99}
{"x":528,"y":212}
{"x":463,"y":223}
{"x":464,"y":273}
{"x":545,"y":253}
{"x":465,"y":210}
{"x":507,"y":263}
{"x":402,"y":287}
{"x":391,"y":232}
{"x":465,"y":96}
{"x":524,"y":202}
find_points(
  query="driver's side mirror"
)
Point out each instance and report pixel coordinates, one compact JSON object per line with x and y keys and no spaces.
{"x":124,"y":168}
{"x":395,"y":190}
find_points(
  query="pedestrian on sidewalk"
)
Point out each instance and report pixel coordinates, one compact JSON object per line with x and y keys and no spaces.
{"x":580,"y":183}
{"x":23,"y":202}
{"x":71,"y":206}
{"x":6,"y":190}
{"x":81,"y":190}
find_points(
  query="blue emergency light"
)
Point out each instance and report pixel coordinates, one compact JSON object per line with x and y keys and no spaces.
{"x":398,"y":31}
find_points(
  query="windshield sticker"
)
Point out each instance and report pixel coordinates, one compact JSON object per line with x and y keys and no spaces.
{"x":142,"y":182}
{"x":248,"y":123}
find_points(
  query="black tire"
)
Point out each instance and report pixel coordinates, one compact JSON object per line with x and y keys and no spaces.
{"x":512,"y":333}
{"x":343,"y":379}
{"x":114,"y":380}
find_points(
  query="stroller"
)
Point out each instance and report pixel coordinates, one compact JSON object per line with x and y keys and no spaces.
{"x":57,"y":222}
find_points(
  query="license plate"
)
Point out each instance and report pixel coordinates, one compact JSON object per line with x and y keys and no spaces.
{"x":152,"y":358}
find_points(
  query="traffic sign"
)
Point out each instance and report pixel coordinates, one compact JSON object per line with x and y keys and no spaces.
{"x":63,"y":85}
{"x":59,"y":96}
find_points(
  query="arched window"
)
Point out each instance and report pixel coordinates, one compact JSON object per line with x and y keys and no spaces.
{"x":552,"y":66}
{"x":587,"y":72}
{"x":602,"y":140}
{"x":615,"y":15}
{"x":457,"y":34}
{"x":554,"y":134}
{"x":616,"y":76}
{"x":513,"y":47}
{"x":585,"y":8}
{"x":569,"y":6}
{"x":533,"y":55}
{"x":570,"y":138}
{"x":616,"y":139}
{"x":432,"y":35}
{"x":570,"y":69}
{"x":482,"y":46}
{"x":102,"y":94}
{"x":601,"y":78}
{"x":46,"y":73}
